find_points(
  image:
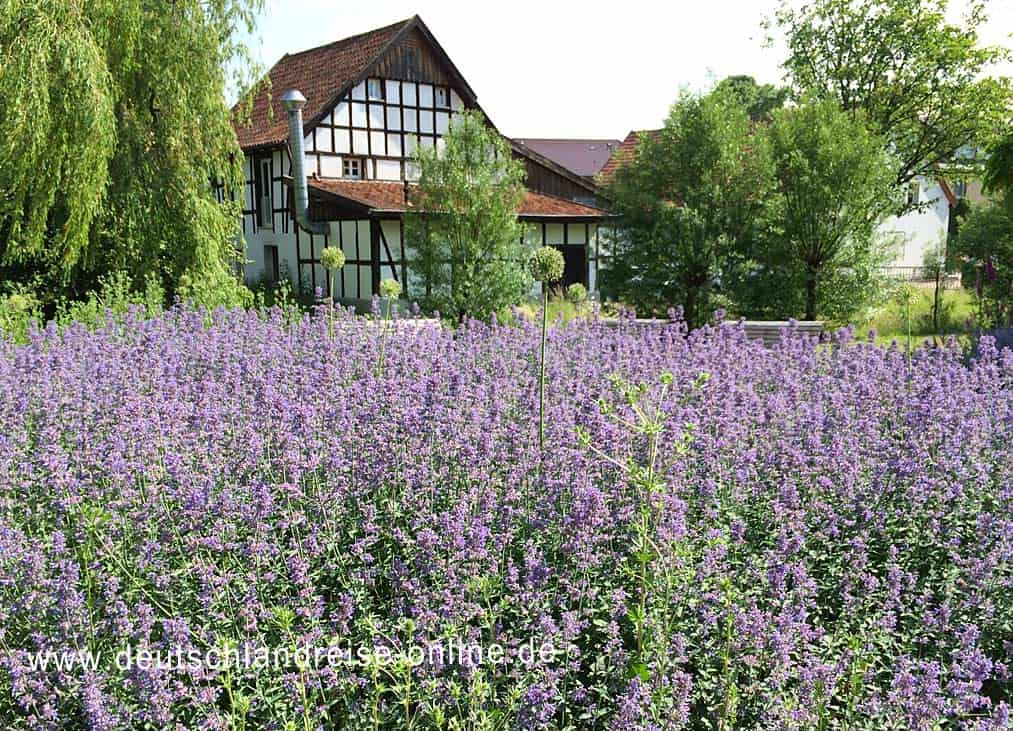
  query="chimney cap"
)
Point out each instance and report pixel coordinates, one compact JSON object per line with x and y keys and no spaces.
{"x":293,"y":99}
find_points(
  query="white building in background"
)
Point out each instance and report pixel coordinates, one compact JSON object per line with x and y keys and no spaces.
{"x":922,"y":230}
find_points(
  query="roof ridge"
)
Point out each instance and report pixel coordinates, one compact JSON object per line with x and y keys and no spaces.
{"x":357,"y":36}
{"x":559,"y":198}
{"x":355,"y":180}
{"x":563,"y":200}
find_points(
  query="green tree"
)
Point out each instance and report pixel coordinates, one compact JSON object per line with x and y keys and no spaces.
{"x":984,"y":246}
{"x":934,"y":264}
{"x":688,"y":201}
{"x":760,"y":100}
{"x":467,"y":257}
{"x":998,"y":174}
{"x":113,"y":125}
{"x":898,"y":65}
{"x":834,"y":186}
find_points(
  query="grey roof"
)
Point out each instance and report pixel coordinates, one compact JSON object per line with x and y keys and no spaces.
{"x":583,"y":157}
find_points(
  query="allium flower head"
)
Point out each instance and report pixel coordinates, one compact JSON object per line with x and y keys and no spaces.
{"x":576,"y":293}
{"x":390,"y":288}
{"x":546,"y":264}
{"x":332,"y":258}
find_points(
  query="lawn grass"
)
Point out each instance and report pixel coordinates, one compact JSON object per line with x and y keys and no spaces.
{"x":557,"y":309}
{"x":890,"y":320}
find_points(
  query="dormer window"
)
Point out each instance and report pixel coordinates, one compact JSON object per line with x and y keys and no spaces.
{"x":351,"y":167}
{"x":960,"y":188}
{"x":442,"y":99}
{"x":374,"y":89}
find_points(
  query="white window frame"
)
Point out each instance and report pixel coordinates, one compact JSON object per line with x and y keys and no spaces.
{"x":346,"y":165}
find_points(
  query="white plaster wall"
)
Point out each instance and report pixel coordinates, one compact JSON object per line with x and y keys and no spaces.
{"x":390,"y":266}
{"x":358,"y":278}
{"x":257,"y":237}
{"x":919,"y":231}
{"x":592,"y":260}
{"x":396,"y":128}
{"x":330,"y":167}
{"x":533,"y":239}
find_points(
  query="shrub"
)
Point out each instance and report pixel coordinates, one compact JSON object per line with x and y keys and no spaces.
{"x":17,"y":311}
{"x":576,"y":294}
{"x":720,"y":536}
{"x":985,"y":248}
{"x":114,"y":297}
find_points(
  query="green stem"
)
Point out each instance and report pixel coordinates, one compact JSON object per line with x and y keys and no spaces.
{"x":909,"y":327}
{"x":330,"y":309}
{"x":541,"y":371}
{"x":383,"y":338}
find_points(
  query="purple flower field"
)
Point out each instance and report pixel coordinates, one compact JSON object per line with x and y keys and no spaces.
{"x":716,"y":536}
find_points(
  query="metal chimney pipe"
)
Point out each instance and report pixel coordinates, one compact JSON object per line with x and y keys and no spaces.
{"x":294,"y":101}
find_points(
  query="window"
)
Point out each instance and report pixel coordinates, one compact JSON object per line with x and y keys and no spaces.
{"x":960,"y":188}
{"x":262,"y":182}
{"x":411,"y":62}
{"x":913,"y":191}
{"x":271,"y":271}
{"x":441,"y":97}
{"x":351,"y":167}
{"x":374,"y":89}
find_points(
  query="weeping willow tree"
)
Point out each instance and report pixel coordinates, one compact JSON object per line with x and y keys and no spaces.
{"x":113,"y":123}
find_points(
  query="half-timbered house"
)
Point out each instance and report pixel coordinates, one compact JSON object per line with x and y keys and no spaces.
{"x":370,"y":100}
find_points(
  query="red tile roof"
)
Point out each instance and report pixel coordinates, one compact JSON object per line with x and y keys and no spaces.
{"x":540,"y":204}
{"x":325,"y":73}
{"x":321,"y":74}
{"x":380,"y":195}
{"x":625,"y":153}
{"x":383,"y":195}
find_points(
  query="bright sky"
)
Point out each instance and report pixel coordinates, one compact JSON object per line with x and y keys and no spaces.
{"x":543,"y":68}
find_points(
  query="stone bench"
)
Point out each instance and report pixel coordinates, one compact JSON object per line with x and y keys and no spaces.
{"x":769,"y":331}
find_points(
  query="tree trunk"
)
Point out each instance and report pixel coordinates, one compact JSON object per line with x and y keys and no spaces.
{"x":810,"y":294}
{"x":935,"y":302}
{"x":690,"y":307}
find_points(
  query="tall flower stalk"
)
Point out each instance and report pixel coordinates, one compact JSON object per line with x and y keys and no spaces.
{"x":546,"y":265}
{"x":332,"y":259}
{"x":390,"y":289}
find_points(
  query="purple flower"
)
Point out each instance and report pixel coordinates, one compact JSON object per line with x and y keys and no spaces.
{"x":819,"y":534}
